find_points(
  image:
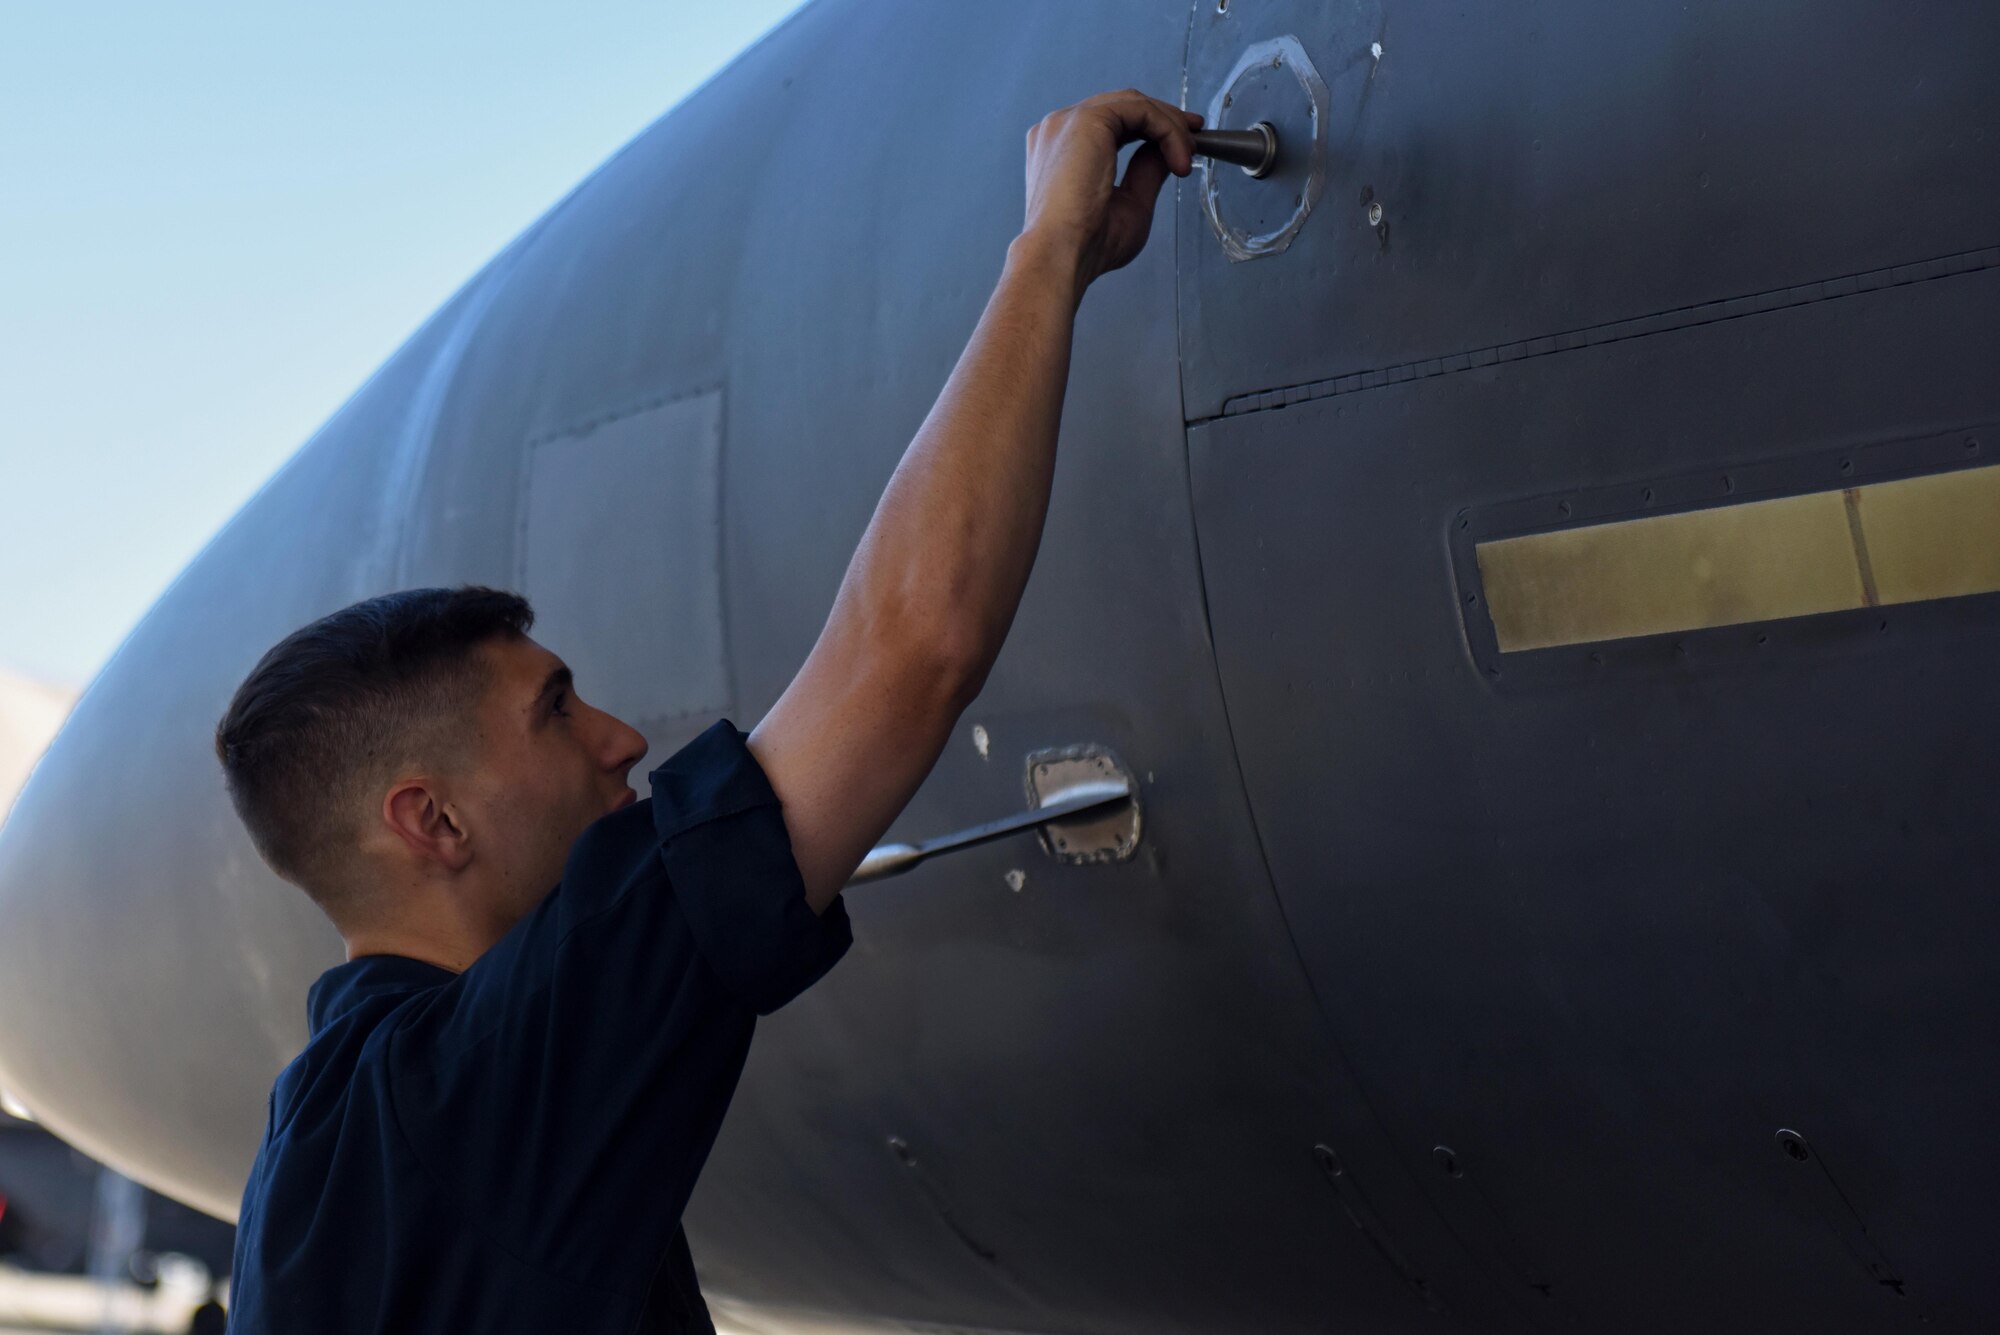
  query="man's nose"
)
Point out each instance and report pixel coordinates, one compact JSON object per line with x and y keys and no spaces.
{"x":624,"y":744}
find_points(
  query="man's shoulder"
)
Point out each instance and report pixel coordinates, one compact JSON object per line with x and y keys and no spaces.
{"x":350,"y":1038}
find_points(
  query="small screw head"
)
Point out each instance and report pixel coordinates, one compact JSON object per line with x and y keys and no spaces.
{"x":901,"y":1149}
{"x":1328,"y":1161}
{"x":1375,"y":214}
{"x":1447,"y":1159}
{"x":1793,"y":1145}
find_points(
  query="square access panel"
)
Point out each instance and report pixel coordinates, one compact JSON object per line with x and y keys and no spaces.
{"x":621,"y":558}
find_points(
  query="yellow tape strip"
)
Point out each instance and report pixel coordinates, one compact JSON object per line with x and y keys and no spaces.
{"x":1923,"y":538}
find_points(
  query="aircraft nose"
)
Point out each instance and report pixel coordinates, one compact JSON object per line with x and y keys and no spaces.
{"x":121,"y":944}
{"x":153,"y":971}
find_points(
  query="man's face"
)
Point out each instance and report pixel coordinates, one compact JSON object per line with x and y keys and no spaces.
{"x":548,"y":765}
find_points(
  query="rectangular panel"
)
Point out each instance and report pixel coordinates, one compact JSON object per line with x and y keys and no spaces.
{"x":1503,"y":179}
{"x":1640,"y":892}
{"x":621,"y":559}
{"x":1890,"y":542}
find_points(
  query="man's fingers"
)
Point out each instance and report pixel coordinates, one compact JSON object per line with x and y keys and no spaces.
{"x":1138,"y":116}
{"x":1144,"y":175}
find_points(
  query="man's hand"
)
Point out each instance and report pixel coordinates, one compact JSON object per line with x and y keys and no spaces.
{"x":1072,"y":158}
{"x":933,"y":587}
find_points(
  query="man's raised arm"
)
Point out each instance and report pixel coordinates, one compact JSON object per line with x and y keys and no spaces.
{"x":932,"y":589}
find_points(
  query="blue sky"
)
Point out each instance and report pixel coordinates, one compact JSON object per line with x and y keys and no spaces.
{"x":217,"y":218}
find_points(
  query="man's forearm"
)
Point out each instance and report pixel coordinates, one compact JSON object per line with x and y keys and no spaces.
{"x":937,"y":577}
{"x":947,"y":555}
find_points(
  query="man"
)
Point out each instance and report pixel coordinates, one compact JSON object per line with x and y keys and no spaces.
{"x":509,"y":1090}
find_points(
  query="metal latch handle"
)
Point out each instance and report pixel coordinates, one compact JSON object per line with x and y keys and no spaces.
{"x":1255,"y":150}
{"x":890,"y":859}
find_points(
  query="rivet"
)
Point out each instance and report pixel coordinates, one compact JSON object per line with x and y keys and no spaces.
{"x":1375,"y":214}
{"x":1447,"y":1159}
{"x":901,"y":1149}
{"x":1563,"y":509}
{"x":1329,"y":1162}
{"x":1016,"y":879}
{"x":1793,"y":1145}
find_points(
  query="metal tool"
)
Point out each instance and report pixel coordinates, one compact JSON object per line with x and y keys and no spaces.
{"x":1255,"y":150}
{"x":1074,"y":800}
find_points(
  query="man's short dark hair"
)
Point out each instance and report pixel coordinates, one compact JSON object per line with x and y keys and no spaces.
{"x":339,"y":707}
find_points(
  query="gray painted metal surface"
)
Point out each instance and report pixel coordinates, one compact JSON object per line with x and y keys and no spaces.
{"x":1428,"y":992}
{"x":620,"y":552}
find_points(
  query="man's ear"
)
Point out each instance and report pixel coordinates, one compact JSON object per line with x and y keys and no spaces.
{"x":425,"y":824}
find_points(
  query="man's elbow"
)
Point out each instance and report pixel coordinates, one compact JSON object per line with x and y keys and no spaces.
{"x":955,"y":662}
{"x":937,"y":665}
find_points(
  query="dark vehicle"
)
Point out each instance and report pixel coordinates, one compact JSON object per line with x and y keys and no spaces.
{"x":1534,"y":554}
{"x":48,"y":1192}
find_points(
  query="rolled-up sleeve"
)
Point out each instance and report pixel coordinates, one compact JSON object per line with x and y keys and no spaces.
{"x":728,"y":857}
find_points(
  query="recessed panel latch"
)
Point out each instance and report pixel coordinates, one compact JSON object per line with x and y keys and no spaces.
{"x":1275,"y":95}
{"x":1107,"y":832}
